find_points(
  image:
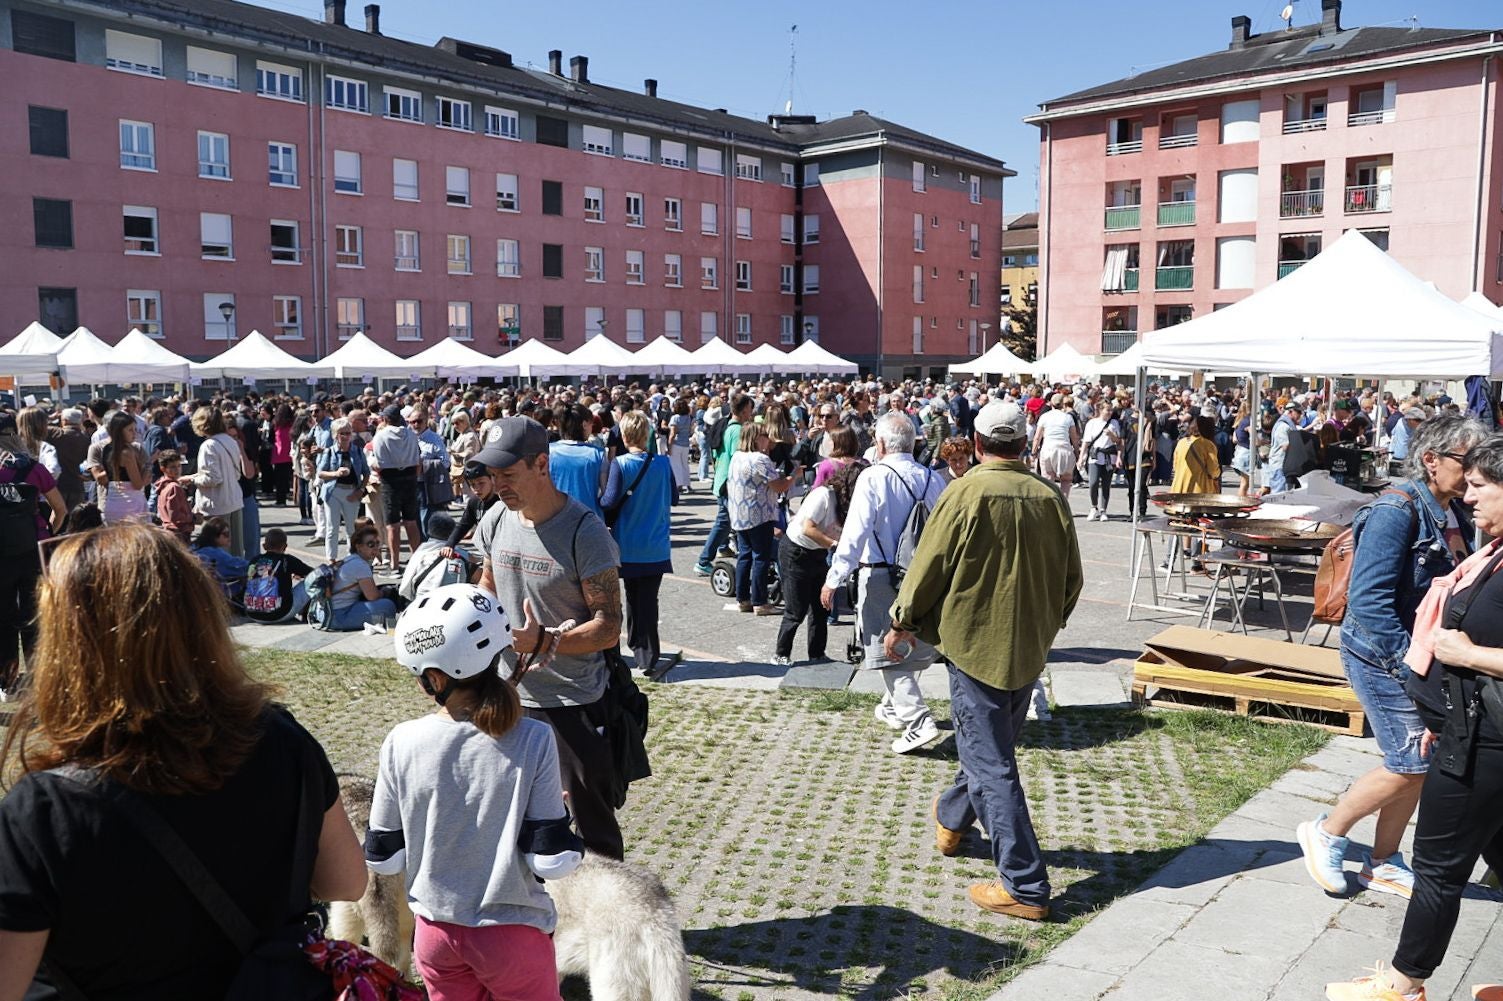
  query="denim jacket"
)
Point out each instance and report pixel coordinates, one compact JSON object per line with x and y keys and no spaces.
{"x":1392,"y":568}
{"x":331,"y":459}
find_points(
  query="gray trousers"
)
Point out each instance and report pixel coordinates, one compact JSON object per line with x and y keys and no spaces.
{"x":988,"y":788}
{"x":874,"y":598}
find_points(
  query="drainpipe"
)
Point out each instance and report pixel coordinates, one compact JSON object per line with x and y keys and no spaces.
{"x":318,"y":245}
{"x":881,"y":254}
{"x":1041,"y":321}
{"x":1477,"y":208}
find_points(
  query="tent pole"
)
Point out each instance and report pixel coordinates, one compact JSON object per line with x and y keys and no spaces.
{"x":1139,"y":481}
{"x":1254,"y":426}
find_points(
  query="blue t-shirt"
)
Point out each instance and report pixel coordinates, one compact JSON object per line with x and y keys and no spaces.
{"x":575,"y":469}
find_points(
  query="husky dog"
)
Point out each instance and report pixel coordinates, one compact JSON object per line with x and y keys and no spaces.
{"x":382,"y":914}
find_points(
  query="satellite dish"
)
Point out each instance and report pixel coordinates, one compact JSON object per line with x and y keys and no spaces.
{"x":1287,"y":14}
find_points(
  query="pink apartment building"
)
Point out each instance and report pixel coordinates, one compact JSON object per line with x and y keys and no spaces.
{"x":1180,"y":190}
{"x":201,"y":170}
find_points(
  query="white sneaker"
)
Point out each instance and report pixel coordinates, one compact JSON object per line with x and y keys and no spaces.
{"x":920,"y":734}
{"x":371,"y":629}
{"x":316,"y":537}
{"x":885,"y":713}
{"x":1388,"y":875}
{"x":1092,"y":515}
{"x":779,"y":660}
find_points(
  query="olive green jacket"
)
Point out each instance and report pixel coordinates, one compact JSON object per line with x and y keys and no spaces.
{"x":996,"y":575}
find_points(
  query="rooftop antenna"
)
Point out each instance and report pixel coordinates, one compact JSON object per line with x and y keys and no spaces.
{"x":1287,"y":14}
{"x":792,"y":66}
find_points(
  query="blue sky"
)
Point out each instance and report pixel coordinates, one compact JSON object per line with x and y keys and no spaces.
{"x":966,"y":72}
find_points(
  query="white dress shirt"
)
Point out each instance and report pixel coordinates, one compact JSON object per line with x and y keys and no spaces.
{"x":880,"y":505}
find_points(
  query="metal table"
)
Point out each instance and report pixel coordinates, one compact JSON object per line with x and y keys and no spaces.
{"x":1177,"y":535}
{"x":1258,"y":567}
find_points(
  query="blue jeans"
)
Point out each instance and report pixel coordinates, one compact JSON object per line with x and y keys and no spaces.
{"x":754,"y":554}
{"x":250,"y":525}
{"x":704,"y":456}
{"x":352,"y":618}
{"x":1390,"y":712}
{"x":720,"y":531}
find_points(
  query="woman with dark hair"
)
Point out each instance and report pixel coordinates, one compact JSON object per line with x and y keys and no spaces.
{"x":128,"y":707}
{"x":752,"y":490}
{"x":680,"y":434}
{"x":812,"y":532}
{"x":25,"y":478}
{"x":119,"y":468}
{"x":1196,"y":468}
{"x":843,"y":450}
{"x":281,"y":453}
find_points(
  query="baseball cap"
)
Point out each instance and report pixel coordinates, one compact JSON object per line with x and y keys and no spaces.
{"x":393,"y":415}
{"x":512,"y":438}
{"x":473,"y":470}
{"x":1004,"y":421}
{"x":1294,"y":405}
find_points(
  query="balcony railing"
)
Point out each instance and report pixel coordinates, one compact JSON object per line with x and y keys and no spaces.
{"x":1177,"y":213}
{"x":1114,"y":342}
{"x":1289,"y":267}
{"x":1366,"y":118}
{"x":1123,"y":216}
{"x":1175,"y":278}
{"x":1362,"y":198}
{"x":1178,"y":142}
{"x":1130,"y":280}
{"x":1130,"y":146}
{"x":1294,"y":125}
{"x":1298,"y":204}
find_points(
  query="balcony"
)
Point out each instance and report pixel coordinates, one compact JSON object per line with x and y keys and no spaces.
{"x":1300,"y":204}
{"x":1130,"y":280}
{"x":1365,"y":118}
{"x":1174,"y":278}
{"x":1178,"y":142}
{"x":1129,"y":146}
{"x":1123,"y":216}
{"x":1364,"y":198}
{"x":1298,"y":125}
{"x":1114,"y":342}
{"x":1287,"y":268}
{"x":1177,"y":213}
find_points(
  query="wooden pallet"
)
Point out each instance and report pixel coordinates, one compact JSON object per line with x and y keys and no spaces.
{"x":1319,"y":703}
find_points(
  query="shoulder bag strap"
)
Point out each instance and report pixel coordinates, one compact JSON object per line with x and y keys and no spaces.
{"x":876,"y":536}
{"x":636,"y":481}
{"x":1463,"y":601}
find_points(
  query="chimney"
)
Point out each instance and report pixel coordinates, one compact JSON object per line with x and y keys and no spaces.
{"x":650,"y":87}
{"x":334,"y":12}
{"x":1330,"y":16}
{"x":556,"y":62}
{"x":373,"y":18}
{"x":579,"y":69}
{"x":1241,"y":31}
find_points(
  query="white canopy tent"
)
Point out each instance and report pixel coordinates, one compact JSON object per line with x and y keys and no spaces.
{"x":31,"y":354}
{"x":1128,"y":363}
{"x":768,"y":358}
{"x":1351,"y":310}
{"x":255,"y":357}
{"x":534,"y":360}
{"x":998,"y":360}
{"x":601,"y":356}
{"x":809,"y":357}
{"x":665,"y":357}
{"x":1483,"y":305}
{"x":142,"y":359}
{"x":1064,"y":364}
{"x":362,"y":358}
{"x":84,"y":358}
{"x":451,"y":359}
{"x":716,"y":355}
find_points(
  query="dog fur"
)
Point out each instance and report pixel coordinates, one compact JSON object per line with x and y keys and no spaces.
{"x":616,"y":921}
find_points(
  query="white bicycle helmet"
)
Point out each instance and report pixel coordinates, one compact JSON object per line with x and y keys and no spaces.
{"x":458,"y":629}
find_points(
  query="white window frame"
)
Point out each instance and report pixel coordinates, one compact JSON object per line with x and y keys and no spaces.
{"x":918,"y":283}
{"x":811,"y":328}
{"x":209,"y":164}
{"x":743,"y":276}
{"x":636,"y":326}
{"x":503,"y":123}
{"x":918,"y":335}
{"x":811,"y":279}
{"x":296,"y":250}
{"x":594,"y":204}
{"x":349,"y":246}
{"x":130,"y":149}
{"x":598,"y":140}
{"x":672,"y":153}
{"x":344,"y":93}
{"x":594,"y":321}
{"x":673,"y":325}
{"x":673,"y":215}
{"x":287,"y":317}
{"x":748,"y":168}
{"x":349,"y":317}
{"x":460,"y":309}
{"x":457,"y":186}
{"x":918,"y":232}
{"x":279,"y":82}
{"x":811,"y":229}
{"x":709,"y":160}
{"x":284,"y":156}
{"x":709,"y":326}
{"x":594,"y":269}
{"x":216,"y":326}
{"x":673,"y":270}
{"x":408,"y":105}
{"x":974,"y":287}
{"x":743,"y":222}
{"x":228,"y":243}
{"x":786,"y":175}
{"x":398,"y":186}
{"x":811,"y":175}
{"x":507,"y":197}
{"x":920,"y":177}
{"x":785,"y":329}
{"x":453,"y":114}
{"x":208,"y":61}
{"x":785,"y":279}
{"x":346,"y":182}
{"x":709,"y":218}
{"x":743,"y":328}
{"x":976,"y":241}
{"x":124,"y":53}
{"x":415,"y":241}
{"x":635,"y":261}
{"x":636,"y":147}
{"x":408,"y":314}
{"x":975,"y":182}
{"x":508,"y":258}
{"x":709,"y":273}
{"x":508,"y":314}
{"x":140,"y":304}
{"x":787,"y":228}
{"x":142,"y":212}
{"x":457,"y":256}
{"x":634,"y":210}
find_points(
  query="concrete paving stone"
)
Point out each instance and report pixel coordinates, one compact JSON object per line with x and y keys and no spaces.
{"x":1057,"y":983}
{"x":1280,"y":865}
{"x":1337,"y":954}
{"x":305,"y":640}
{"x":1376,"y":915}
{"x":724,"y":674}
{"x":1180,"y":971}
{"x":1474,"y":925}
{"x":1086,"y":688}
{"x":362,"y":644}
{"x":831,"y":674}
{"x":1281,"y":809}
{"x":1344,"y":760}
{"x":1271,"y":920}
{"x":1486,"y":966}
{"x":1122,"y":936}
{"x":1250,"y":829}
{"x":868,"y":682}
{"x":1321,"y":787}
{"x":1197,"y":874}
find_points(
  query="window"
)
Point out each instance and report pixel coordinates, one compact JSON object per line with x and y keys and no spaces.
{"x":597,"y":140}
{"x":785,"y":228}
{"x":508,"y":259}
{"x":276,"y":80}
{"x":743,"y":328}
{"x":216,"y":327}
{"x":459,"y":254}
{"x":553,"y":260}
{"x":457,"y":185}
{"x":918,"y":335}
{"x":209,"y":68}
{"x":811,"y":329}
{"x":785,"y":329}
{"x":709,"y":218}
{"x":215,"y":236}
{"x":460,"y":327}
{"x":709,"y":160}
{"x":141,"y":230}
{"x":709,"y":273}
{"x":673,"y":325}
{"x":975,"y":289}
{"x":282,"y":165}
{"x":919,"y":175}
{"x":1373,"y":105}
{"x":552,"y":131}
{"x":49,"y":131}
{"x":452,"y":114}
{"x":975,"y":190}
{"x":404,"y":180}
{"x":506,"y":193}
{"x":918,"y":283}
{"x":143,"y":311}
{"x":635,"y":147}
{"x":404,"y":105}
{"x":287,"y":317}
{"x":409,"y":320}
{"x":138,"y":147}
{"x":748,"y":168}
{"x":743,"y":276}
{"x":594,"y":264}
{"x":349,"y":317}
{"x":785,"y":174}
{"x":132,"y":53}
{"x":785,"y":279}
{"x":811,"y":229}
{"x":709,"y":326}
{"x":346,"y":172}
{"x":633,"y":209}
{"x":509,"y":322}
{"x":553,"y":198}
{"x":594,"y":321}
{"x":502,"y":123}
{"x":1378,"y":238}
{"x":553,"y":323}
{"x":673,"y":154}
{"x":214,"y":155}
{"x":918,"y":232}
{"x":976,"y":240}
{"x":636,"y":326}
{"x":346,"y":94}
{"x":811,"y":279}
{"x":594,"y":205}
{"x":634,"y":267}
{"x":349,"y":247}
{"x":1240,"y":121}
{"x":673,"y":271}
{"x":811,"y":175}
{"x":284,"y":245}
{"x":743,"y":223}
{"x":408,"y":258}
{"x":673,"y":215}
{"x":40,"y":35}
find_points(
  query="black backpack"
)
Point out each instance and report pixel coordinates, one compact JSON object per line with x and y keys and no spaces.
{"x":18,"y":510}
{"x":715,"y":435}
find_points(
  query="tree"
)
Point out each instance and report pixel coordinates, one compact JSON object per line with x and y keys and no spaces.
{"x":1022,"y":336}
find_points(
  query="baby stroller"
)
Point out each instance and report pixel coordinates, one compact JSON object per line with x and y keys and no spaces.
{"x":723,"y":579}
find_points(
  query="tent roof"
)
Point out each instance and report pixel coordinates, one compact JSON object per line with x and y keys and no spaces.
{"x":31,"y":353}
{"x":534,"y":358}
{"x":360,"y":356}
{"x":83,"y":357}
{"x":451,"y":359}
{"x":139,"y":358}
{"x":716,"y":355}
{"x":1128,"y":362}
{"x":1352,"y":310}
{"x":1483,"y":305}
{"x":812,"y":358}
{"x":768,"y":358}
{"x":666,"y":356}
{"x":998,"y":360}
{"x":599,"y":355}
{"x":255,"y":357}
{"x":1064,"y":362}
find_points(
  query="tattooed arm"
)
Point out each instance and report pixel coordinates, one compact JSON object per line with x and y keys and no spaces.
{"x":602,"y":630}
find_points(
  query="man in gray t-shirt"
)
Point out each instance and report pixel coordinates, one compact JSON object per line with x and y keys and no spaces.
{"x":548,"y":559}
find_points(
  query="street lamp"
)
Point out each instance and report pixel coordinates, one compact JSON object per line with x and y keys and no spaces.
{"x":227,"y":310}
{"x":985,"y":326}
{"x":808,"y":331}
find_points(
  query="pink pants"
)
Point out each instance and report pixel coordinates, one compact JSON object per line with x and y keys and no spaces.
{"x":494,"y":963}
